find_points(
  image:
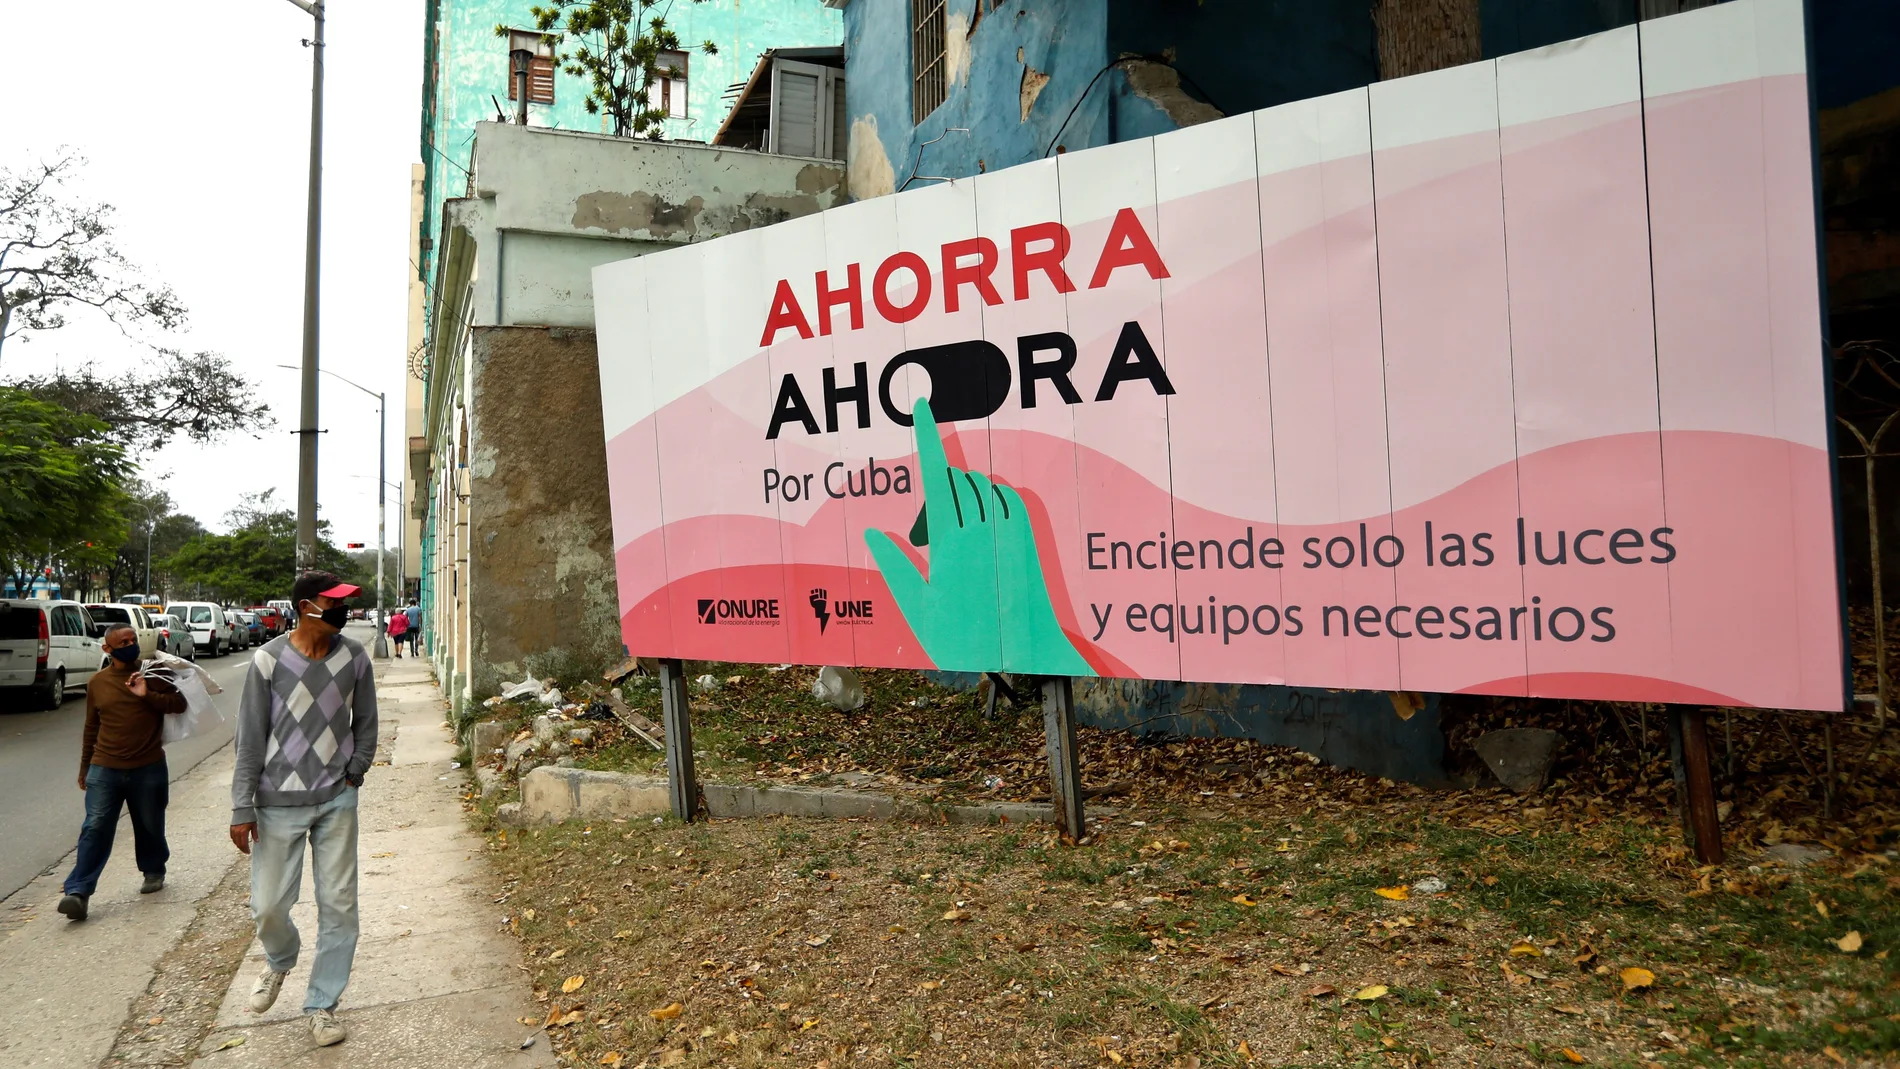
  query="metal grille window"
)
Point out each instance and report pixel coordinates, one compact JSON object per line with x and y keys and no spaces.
{"x":927,"y":65}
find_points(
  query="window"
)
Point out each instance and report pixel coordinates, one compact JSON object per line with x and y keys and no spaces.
{"x":927,"y":65}
{"x":540,"y":66}
{"x":808,"y":114}
{"x":66,"y":621}
{"x":667,"y":94}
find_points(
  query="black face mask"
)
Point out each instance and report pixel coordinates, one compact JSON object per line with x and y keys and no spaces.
{"x":335,"y":616}
{"x":127,"y":654}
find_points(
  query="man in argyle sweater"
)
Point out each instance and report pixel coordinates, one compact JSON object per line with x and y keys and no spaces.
{"x":306,"y":734}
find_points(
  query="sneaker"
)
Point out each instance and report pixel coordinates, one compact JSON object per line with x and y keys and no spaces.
{"x":325,"y":1029}
{"x":74,"y":906}
{"x":152,"y":884}
{"x":264,"y":991}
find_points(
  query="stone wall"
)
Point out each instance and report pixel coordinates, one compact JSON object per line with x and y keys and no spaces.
{"x":542,"y":593}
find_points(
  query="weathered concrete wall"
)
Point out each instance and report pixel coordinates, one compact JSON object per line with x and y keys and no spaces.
{"x":541,"y":589}
{"x":1024,"y":77}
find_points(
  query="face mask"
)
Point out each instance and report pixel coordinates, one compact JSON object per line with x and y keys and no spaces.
{"x":336,"y":616}
{"x":127,"y":655}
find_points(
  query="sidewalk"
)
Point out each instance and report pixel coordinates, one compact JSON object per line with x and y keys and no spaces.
{"x":436,"y":982}
{"x":65,"y":988}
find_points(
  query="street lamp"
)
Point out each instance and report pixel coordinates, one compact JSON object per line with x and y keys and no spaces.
{"x":313,"y":227}
{"x":382,"y":480}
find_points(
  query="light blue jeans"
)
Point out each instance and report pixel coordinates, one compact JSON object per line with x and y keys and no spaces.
{"x":277,"y":872}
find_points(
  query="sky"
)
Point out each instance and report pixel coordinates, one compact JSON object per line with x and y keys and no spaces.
{"x":195,"y":120}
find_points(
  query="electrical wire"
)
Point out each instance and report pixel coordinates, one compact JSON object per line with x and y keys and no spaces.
{"x":1111,"y":65}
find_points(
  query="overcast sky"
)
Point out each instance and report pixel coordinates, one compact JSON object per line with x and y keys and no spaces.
{"x":195,"y":118}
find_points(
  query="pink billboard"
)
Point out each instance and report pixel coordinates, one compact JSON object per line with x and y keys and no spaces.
{"x":1503,"y":379}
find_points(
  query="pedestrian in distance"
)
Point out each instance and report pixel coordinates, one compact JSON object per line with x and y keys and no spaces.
{"x":122,"y":765}
{"x":306,"y":736}
{"x":414,"y":613}
{"x":398,"y":628}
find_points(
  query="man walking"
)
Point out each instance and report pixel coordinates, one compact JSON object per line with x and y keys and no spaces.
{"x":122,"y":763}
{"x":306,"y":735}
{"x":414,"y":612}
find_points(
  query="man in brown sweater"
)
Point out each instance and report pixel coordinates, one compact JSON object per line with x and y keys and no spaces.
{"x":122,"y":763}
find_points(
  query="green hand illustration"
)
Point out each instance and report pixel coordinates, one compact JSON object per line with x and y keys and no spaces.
{"x":985,"y":606}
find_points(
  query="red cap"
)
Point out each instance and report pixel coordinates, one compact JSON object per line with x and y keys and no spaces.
{"x":341,"y":590}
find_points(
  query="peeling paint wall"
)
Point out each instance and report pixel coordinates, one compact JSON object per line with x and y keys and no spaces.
{"x":552,"y":205}
{"x":541,"y":536}
{"x":1020,"y":75}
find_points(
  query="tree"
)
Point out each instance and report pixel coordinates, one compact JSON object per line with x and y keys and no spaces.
{"x":257,"y":560}
{"x":56,"y":254}
{"x":59,"y":486}
{"x":616,"y":47}
{"x":202,"y":397}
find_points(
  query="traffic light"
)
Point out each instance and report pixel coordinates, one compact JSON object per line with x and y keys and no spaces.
{"x":353,"y":545}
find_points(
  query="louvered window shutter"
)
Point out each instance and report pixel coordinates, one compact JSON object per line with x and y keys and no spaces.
{"x":801,"y":116}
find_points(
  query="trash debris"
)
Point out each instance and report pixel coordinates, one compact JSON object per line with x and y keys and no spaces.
{"x":527,"y":688}
{"x":1430,"y":885}
{"x":706,"y":684}
{"x":992,"y":783}
{"x":552,"y":697}
{"x":839,"y":687}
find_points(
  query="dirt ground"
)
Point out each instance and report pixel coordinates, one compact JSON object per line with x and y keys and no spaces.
{"x":1303,"y":932}
{"x":1237,"y":904}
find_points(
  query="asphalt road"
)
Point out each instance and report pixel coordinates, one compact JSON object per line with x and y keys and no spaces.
{"x":41,"y":805}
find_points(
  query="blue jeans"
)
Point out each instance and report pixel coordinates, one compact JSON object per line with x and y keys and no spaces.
{"x":145,"y":791}
{"x":277,"y":873}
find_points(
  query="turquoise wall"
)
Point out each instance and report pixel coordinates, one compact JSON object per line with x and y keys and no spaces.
{"x":466,"y":71}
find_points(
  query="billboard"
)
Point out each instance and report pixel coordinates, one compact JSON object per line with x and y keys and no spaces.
{"x":1506,"y":378}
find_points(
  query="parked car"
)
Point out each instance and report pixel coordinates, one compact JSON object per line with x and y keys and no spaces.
{"x":174,"y":637}
{"x":132,"y":616}
{"x":210,"y":630}
{"x":272,"y":618}
{"x":253,"y":628}
{"x":47,"y":648}
{"x":235,"y":632}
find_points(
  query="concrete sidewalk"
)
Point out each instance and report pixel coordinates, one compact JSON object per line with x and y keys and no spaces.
{"x":436,"y":981}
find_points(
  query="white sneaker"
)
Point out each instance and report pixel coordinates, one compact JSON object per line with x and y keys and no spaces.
{"x":264,"y":992}
{"x":326,"y":1029}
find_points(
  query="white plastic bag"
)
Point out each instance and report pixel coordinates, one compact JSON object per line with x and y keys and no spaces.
{"x":201,"y":713}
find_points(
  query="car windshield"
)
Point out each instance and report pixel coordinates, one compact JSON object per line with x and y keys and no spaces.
{"x":108,"y":614}
{"x":19,"y":622}
{"x":197,"y":614}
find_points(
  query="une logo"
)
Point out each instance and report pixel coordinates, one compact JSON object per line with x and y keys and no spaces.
{"x":847,"y":612}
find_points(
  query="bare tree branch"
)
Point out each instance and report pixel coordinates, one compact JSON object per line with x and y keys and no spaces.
{"x":55,"y":253}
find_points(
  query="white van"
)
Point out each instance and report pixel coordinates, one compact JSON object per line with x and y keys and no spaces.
{"x":210,"y":628}
{"x":47,"y":648}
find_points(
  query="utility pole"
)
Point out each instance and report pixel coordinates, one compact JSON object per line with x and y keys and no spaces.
{"x":382,"y":488}
{"x":313,"y":230}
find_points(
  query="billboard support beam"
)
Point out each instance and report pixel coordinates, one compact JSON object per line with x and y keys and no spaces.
{"x":1695,"y":787}
{"x":682,"y":787}
{"x":1065,"y":771}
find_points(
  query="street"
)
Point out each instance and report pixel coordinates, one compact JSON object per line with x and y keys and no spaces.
{"x":39,"y":769}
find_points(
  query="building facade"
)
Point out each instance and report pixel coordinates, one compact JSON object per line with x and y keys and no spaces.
{"x":466,"y":83}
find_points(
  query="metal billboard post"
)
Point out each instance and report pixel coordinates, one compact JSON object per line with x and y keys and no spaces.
{"x":1065,"y":771}
{"x":682,"y":787}
{"x":1695,"y":787}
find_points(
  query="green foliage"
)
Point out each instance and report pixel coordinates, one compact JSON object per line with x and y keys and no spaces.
{"x":200,"y":396}
{"x":616,"y":46}
{"x":257,"y":560}
{"x":59,"y":485}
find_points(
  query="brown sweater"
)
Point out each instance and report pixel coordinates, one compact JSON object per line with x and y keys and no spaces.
{"x":122,"y":729}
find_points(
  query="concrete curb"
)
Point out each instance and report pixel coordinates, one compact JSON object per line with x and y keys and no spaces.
{"x":551,"y":794}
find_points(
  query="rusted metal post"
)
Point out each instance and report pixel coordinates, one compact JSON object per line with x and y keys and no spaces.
{"x":1695,"y":787}
{"x":682,"y":787}
{"x":1065,"y":770}
{"x":1870,"y":452}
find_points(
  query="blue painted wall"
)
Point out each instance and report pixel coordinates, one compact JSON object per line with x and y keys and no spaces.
{"x":1241,"y":54}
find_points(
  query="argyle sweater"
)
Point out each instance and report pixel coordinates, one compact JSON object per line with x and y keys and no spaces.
{"x":302,"y":726}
